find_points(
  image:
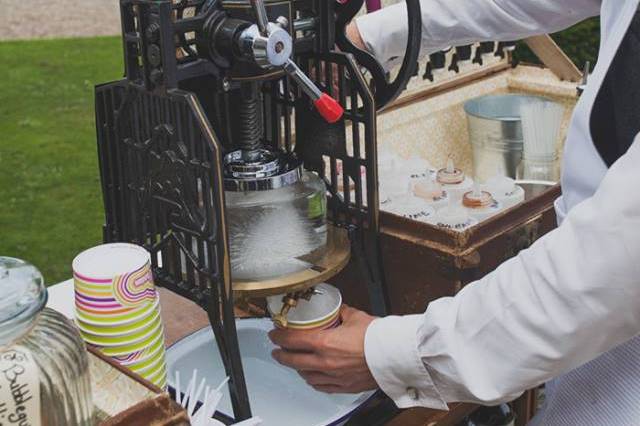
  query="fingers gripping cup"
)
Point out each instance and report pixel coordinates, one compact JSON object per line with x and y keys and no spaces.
{"x":117,"y":307}
{"x":319,"y":312}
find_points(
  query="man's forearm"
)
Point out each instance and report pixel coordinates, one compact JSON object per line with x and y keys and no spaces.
{"x":458,"y":22}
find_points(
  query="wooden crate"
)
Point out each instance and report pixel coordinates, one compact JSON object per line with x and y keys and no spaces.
{"x":123,"y":398}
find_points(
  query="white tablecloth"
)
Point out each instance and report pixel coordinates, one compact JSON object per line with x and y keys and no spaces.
{"x":61,"y":298}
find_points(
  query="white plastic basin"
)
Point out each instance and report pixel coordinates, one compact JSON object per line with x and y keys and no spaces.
{"x":277,"y":394}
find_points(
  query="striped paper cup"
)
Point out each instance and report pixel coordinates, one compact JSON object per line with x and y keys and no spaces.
{"x":154,"y":370}
{"x":324,"y":324}
{"x":159,"y":378}
{"x":104,"y":303}
{"x":126,"y":349}
{"x":113,"y":279}
{"x":123,"y":331}
{"x":104,"y":320}
{"x":118,"y":308}
{"x":149,"y":366}
{"x":124,"y":339}
{"x":142,"y":355}
{"x":321,"y":311}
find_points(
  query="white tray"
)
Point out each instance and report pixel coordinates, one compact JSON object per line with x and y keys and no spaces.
{"x":277,"y":394}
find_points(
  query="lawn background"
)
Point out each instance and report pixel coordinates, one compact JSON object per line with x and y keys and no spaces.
{"x":50,"y":199}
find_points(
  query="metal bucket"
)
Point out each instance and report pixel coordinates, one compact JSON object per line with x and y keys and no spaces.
{"x":495,"y":133}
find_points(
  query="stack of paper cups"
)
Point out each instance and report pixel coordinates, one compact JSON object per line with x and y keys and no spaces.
{"x":118,"y":308}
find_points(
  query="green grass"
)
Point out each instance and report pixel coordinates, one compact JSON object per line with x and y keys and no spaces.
{"x":50,"y":199}
{"x":579,"y":42}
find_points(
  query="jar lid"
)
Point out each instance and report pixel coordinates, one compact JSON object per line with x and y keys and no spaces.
{"x":260,"y":170}
{"x":477,"y":199}
{"x":22,"y":291}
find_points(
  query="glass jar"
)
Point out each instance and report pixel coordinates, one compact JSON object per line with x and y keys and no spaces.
{"x":44,"y":368}
{"x":278,"y":227}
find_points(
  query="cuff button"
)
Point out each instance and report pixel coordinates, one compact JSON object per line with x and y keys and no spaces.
{"x":413,"y":393}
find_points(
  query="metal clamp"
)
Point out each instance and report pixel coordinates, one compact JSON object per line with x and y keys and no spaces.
{"x":271,"y":46}
{"x":291,"y":301}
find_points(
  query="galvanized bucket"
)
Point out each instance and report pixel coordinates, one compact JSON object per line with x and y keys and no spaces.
{"x":495,"y":133}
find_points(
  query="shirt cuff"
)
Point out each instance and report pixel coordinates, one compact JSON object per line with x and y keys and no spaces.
{"x":391,"y":352}
{"x":385,"y":34}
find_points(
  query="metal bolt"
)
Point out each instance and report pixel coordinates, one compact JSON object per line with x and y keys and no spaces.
{"x":279,"y":47}
{"x":282,"y":22}
{"x":226,"y":86}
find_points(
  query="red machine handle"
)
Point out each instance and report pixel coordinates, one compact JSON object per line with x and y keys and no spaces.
{"x":326,"y":106}
{"x":329,"y":108}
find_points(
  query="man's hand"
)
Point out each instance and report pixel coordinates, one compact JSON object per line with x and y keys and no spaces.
{"x":331,"y":360}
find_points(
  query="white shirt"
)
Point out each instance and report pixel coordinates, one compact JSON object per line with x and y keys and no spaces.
{"x":569,"y":306}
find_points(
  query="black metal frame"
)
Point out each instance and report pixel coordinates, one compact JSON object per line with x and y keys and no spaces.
{"x":349,"y":145}
{"x":162,"y":187}
{"x":161,"y":141}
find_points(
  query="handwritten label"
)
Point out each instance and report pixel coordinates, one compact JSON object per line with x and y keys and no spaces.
{"x":19,"y":388}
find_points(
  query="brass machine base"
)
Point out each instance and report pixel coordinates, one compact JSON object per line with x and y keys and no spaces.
{"x":331,"y":263}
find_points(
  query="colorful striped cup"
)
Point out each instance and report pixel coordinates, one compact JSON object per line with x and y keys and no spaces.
{"x":108,"y":338}
{"x":142,"y":355}
{"x":118,"y":309}
{"x":104,"y":320}
{"x":321,"y":311}
{"x":113,"y":279}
